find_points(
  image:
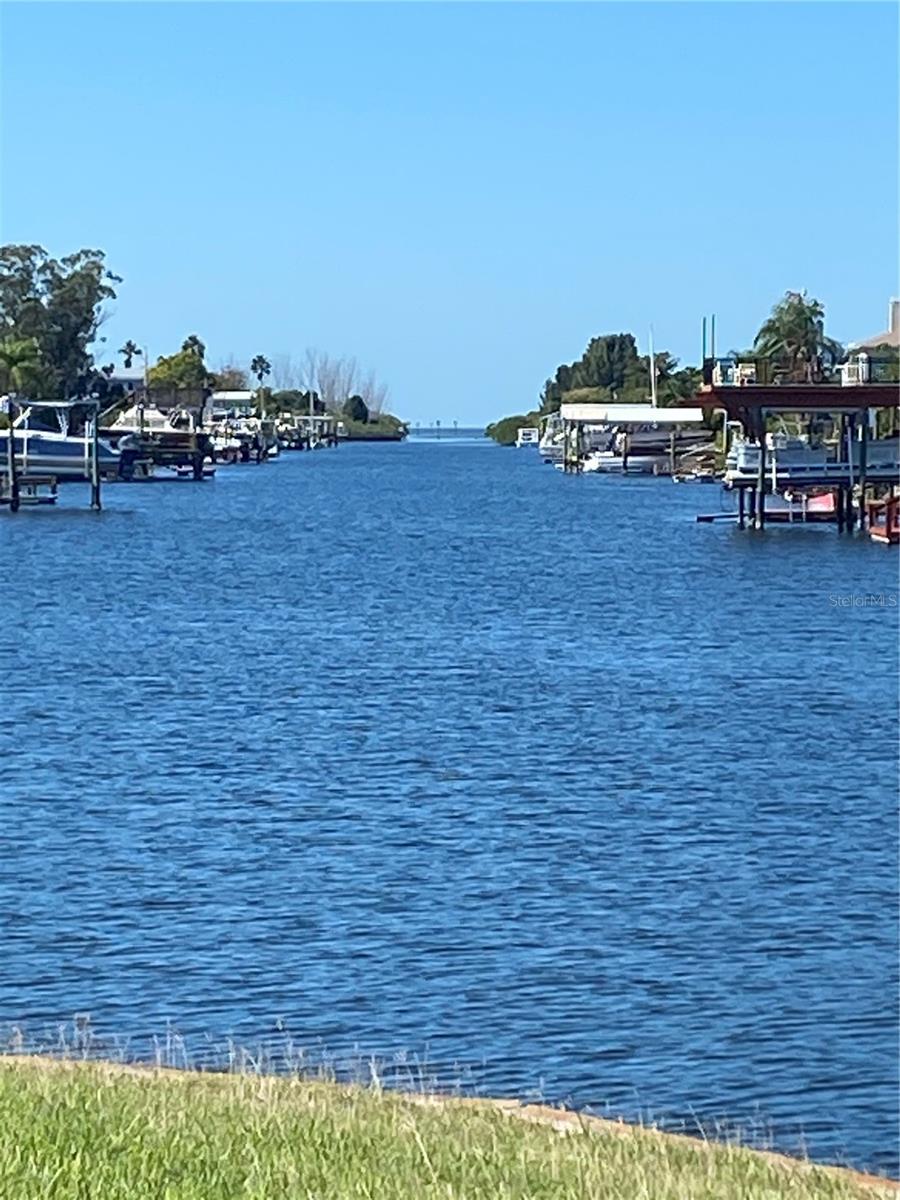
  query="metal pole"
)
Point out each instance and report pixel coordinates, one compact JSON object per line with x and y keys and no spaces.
{"x":847,"y":448}
{"x":703,"y":344}
{"x":760,"y":521}
{"x":712,"y":336}
{"x":12,"y":477}
{"x":863,"y":456}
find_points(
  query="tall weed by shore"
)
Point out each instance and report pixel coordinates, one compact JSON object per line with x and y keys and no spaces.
{"x":100,"y":1132}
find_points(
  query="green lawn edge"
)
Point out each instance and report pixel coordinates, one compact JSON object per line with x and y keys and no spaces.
{"x":100,"y":1131}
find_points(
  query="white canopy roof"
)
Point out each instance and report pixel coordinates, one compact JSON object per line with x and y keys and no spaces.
{"x":629,"y":414}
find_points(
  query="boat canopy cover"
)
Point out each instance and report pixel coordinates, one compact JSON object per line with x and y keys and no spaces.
{"x":630,"y":414}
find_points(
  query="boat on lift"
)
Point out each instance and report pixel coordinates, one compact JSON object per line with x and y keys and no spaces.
{"x":66,"y":456}
{"x":794,"y":459}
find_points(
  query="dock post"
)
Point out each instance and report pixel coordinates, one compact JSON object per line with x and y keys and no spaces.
{"x":839,"y":507}
{"x":850,"y":513}
{"x":742,"y":523}
{"x":672,"y":452}
{"x":863,"y":463}
{"x":95,"y":461}
{"x":196,"y":459}
{"x":760,"y":518}
{"x":11,"y":474}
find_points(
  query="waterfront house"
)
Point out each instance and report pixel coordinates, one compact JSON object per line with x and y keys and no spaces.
{"x":890,"y":337}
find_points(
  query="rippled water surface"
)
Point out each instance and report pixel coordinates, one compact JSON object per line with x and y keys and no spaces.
{"x":430,"y":748}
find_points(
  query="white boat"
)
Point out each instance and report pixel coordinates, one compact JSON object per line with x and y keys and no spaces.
{"x":641,"y":449}
{"x":551,"y":442}
{"x":595,"y":435}
{"x":614,"y":462}
{"x":791,"y":459}
{"x":528,"y":436}
{"x":56,"y":452}
{"x":146,"y":419}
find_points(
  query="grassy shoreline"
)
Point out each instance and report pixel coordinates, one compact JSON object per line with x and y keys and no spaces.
{"x":106,"y":1131}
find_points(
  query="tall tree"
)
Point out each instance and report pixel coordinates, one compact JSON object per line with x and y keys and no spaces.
{"x":261,"y":367}
{"x":183,"y":371}
{"x":793,"y":337}
{"x":58,"y":302}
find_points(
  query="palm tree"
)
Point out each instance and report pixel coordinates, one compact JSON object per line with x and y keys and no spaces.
{"x":194,"y":345}
{"x":20,"y":363}
{"x":794,"y":337}
{"x":129,"y":351}
{"x":260,"y":367}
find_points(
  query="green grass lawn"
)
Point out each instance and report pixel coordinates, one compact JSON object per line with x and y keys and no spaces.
{"x":76,"y":1131}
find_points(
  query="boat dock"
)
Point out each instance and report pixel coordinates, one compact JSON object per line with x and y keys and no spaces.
{"x":633,"y":438}
{"x":34,"y":460}
{"x":856,"y":467}
{"x":149,"y":442}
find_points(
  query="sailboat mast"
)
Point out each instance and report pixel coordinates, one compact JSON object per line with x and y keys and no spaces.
{"x":652,"y":371}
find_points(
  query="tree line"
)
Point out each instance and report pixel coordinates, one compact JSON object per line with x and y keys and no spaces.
{"x":792,"y":339}
{"x":611,"y":370}
{"x":51,"y":315}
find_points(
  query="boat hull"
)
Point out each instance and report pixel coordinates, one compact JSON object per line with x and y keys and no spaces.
{"x":66,"y":458}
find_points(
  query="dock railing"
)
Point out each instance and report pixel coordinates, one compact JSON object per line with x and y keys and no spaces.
{"x":766,"y":372}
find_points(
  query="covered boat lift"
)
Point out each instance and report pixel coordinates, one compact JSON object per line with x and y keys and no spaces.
{"x":18,"y":476}
{"x":749,"y":391}
{"x":577,"y":417}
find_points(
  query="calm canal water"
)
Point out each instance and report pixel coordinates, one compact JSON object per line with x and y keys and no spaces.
{"x":427,"y":748}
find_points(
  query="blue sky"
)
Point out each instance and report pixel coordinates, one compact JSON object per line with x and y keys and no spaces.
{"x":459,"y":195}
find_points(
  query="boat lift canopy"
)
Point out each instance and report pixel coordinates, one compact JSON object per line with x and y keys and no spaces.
{"x":629,"y":414}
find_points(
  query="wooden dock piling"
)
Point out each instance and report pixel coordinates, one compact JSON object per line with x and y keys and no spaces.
{"x":863,"y":456}
{"x":95,"y":461}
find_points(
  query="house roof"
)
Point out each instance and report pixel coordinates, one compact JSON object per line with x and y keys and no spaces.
{"x":890,"y":337}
